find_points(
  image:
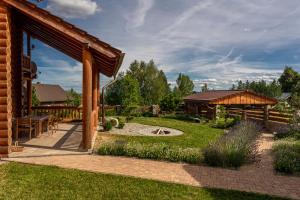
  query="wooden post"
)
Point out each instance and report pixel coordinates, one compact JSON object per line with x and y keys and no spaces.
{"x":87,"y":126}
{"x":29,"y":96}
{"x":98,"y":98}
{"x":95,"y":92}
{"x":214,"y":112}
{"x":266,"y":115}
{"x":244,"y":114}
{"x":29,"y":82}
{"x":28,"y":45}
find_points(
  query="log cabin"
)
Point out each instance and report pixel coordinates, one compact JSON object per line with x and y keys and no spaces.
{"x":20,"y":16}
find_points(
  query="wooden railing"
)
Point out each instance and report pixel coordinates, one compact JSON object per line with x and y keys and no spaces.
{"x":65,"y":113}
{"x":260,"y":115}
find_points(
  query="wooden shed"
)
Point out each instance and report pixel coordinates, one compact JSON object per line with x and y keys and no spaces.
{"x":205,"y":103}
{"x":19,"y":16}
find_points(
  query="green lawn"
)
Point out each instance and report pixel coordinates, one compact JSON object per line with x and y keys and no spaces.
{"x":195,"y":135}
{"x":19,"y":181}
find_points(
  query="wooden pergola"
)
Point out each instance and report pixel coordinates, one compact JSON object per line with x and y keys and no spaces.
{"x":205,"y":103}
{"x":19,"y":16}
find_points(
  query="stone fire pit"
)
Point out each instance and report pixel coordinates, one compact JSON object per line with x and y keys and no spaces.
{"x":136,"y":129}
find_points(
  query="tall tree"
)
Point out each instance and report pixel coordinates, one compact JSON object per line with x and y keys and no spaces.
{"x":184,"y":85}
{"x":125,"y":91}
{"x":272,"y":89}
{"x":35,"y":100}
{"x":153,"y":83}
{"x":295,"y":98}
{"x":289,"y":79}
{"x":204,"y":88}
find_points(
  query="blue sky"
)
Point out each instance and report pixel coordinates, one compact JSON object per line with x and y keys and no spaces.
{"x":213,"y":41}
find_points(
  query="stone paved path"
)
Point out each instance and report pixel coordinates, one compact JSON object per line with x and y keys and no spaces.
{"x":258,"y":177}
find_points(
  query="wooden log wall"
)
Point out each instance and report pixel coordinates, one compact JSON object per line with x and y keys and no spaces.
{"x":5,"y":81}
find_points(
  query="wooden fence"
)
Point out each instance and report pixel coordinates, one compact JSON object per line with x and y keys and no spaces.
{"x":261,"y":115}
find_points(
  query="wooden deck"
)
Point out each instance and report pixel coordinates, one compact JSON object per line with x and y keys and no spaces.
{"x":65,"y":141}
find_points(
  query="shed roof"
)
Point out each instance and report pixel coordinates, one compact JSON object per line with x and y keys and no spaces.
{"x":50,"y":93}
{"x":219,"y":97}
{"x":212,"y":95}
{"x":64,"y":36}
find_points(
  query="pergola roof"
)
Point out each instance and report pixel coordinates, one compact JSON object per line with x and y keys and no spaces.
{"x":227,"y":97}
{"x":65,"y":37}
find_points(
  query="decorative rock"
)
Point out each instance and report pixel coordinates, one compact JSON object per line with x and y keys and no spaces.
{"x":114,"y":122}
{"x":155,"y":109}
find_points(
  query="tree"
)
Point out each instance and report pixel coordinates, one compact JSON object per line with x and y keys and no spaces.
{"x":295,"y":97}
{"x":35,"y":100}
{"x":272,"y":89}
{"x":125,"y":91}
{"x":184,"y":87}
{"x":73,"y":98}
{"x":289,"y":79}
{"x":204,"y":88}
{"x":169,"y":102}
{"x":153,"y":84}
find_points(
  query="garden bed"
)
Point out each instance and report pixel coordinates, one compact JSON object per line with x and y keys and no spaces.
{"x":179,"y":148}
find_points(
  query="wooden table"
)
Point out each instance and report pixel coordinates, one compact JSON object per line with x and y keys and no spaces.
{"x":39,"y":121}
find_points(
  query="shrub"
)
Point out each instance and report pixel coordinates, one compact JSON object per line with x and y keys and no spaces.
{"x":107,"y":126}
{"x":132,"y":111}
{"x":223,"y":123}
{"x":293,"y":130}
{"x":169,"y":102}
{"x":234,"y":148}
{"x":147,"y":114}
{"x":110,"y":112}
{"x":129,"y":118}
{"x":121,"y":125}
{"x":287,"y":157}
{"x":158,"y":151}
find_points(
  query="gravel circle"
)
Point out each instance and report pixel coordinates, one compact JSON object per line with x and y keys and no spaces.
{"x":135,"y":129}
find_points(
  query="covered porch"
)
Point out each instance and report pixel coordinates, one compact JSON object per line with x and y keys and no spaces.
{"x":18,"y":70}
{"x":65,"y":141}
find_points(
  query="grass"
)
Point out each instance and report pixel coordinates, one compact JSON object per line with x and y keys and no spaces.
{"x":20,"y":181}
{"x":195,"y":135}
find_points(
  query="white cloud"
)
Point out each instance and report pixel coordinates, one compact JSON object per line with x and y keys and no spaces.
{"x":73,"y":8}
{"x":218,"y":40}
{"x":137,"y":18}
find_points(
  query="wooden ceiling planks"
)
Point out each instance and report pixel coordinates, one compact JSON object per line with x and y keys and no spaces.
{"x":65,"y":37}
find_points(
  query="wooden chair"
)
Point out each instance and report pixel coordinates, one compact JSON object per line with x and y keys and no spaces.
{"x":52,"y":124}
{"x":25,"y":125}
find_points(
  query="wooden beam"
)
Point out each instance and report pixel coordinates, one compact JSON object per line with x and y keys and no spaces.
{"x":95,"y":92}
{"x":29,"y":96}
{"x":57,"y":24}
{"x":98,"y":95}
{"x":87,"y":127}
{"x":28,"y":45}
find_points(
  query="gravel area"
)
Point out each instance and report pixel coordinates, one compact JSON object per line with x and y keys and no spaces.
{"x":136,"y":129}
